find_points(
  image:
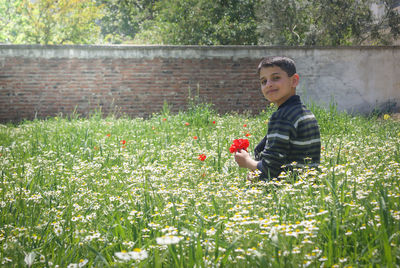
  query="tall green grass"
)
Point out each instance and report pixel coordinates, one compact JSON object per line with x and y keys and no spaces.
{"x":101,"y":192}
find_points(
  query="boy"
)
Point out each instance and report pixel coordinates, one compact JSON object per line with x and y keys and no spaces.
{"x":293,"y":137}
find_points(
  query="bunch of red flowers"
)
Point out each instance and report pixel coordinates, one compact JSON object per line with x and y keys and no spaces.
{"x":202,"y":157}
{"x":239,"y":144}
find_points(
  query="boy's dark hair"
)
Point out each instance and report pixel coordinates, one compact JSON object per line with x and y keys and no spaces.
{"x":285,"y":63}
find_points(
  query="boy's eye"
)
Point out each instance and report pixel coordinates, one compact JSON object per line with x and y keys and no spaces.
{"x":274,"y":78}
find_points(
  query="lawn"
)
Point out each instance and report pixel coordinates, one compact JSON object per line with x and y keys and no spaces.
{"x":165,"y":192}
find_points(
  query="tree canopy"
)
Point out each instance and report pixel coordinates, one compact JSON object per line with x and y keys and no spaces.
{"x":326,"y":22}
{"x":199,"y":22}
{"x":202,"y":22}
{"x":49,"y":21}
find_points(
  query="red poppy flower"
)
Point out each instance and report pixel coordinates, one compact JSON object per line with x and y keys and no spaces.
{"x":214,"y":122}
{"x":164,"y":119}
{"x":245,"y":125}
{"x":248,"y":135}
{"x":195,"y":137}
{"x":202,"y":157}
{"x":108,"y":135}
{"x":123,"y":142}
{"x":239,"y":144}
{"x":187,"y":124}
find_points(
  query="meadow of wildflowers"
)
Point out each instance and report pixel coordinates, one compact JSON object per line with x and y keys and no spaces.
{"x":166,"y":192}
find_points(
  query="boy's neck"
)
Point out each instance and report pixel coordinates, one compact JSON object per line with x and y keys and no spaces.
{"x":292,"y":98}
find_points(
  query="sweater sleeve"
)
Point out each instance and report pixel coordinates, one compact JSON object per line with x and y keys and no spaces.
{"x":277,"y":149}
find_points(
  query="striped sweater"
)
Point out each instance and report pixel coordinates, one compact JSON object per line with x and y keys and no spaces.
{"x":293,"y":136}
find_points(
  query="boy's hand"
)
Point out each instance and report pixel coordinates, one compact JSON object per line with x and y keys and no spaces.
{"x":244,"y":160}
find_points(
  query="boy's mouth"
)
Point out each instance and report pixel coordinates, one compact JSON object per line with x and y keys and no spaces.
{"x":272,"y":91}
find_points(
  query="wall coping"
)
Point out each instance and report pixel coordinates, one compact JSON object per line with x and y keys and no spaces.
{"x":128,"y":46}
{"x":161,"y":51}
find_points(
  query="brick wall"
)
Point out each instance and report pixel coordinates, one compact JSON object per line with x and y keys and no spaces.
{"x":41,"y":81}
{"x":42,"y":87}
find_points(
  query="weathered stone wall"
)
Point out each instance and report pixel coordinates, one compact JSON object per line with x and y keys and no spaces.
{"x":43,"y":81}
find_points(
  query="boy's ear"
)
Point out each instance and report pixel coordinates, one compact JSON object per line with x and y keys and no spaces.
{"x":295,"y":80}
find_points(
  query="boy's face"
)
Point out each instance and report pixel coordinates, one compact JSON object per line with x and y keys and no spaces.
{"x":276,"y":85}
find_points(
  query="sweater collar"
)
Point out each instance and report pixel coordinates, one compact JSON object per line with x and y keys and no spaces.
{"x":295,"y":99}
